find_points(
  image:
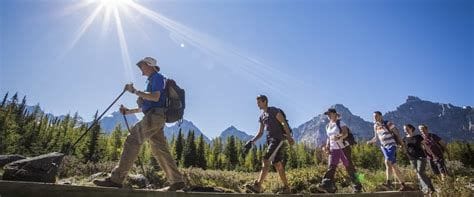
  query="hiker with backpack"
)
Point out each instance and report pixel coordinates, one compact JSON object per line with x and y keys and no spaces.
{"x":389,"y":138}
{"x":338,"y":147}
{"x":273,"y":121}
{"x":414,"y":150}
{"x":154,"y":103}
{"x":434,"y":148}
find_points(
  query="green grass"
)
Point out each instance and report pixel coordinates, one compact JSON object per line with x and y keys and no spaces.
{"x":301,"y":180}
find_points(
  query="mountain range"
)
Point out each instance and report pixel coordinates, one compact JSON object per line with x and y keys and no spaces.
{"x":448,"y":121}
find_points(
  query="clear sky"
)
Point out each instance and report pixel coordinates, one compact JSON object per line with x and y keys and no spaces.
{"x":304,"y":55}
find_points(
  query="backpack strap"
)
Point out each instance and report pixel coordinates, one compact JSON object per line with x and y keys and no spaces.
{"x":338,"y":123}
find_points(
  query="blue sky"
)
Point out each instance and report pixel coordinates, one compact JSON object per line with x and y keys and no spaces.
{"x":305,"y":55}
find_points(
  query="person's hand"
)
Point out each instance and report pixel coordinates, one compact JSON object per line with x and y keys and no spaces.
{"x":139,"y":101}
{"x":326,"y":149}
{"x":335,"y":138}
{"x":124,"y":110}
{"x":370,"y":142}
{"x":129,"y":87}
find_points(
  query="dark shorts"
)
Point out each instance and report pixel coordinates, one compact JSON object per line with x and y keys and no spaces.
{"x":438,"y":166}
{"x":274,"y":152}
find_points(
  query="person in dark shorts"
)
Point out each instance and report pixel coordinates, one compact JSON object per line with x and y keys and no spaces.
{"x":273,"y":121}
{"x":434,"y":148}
{"x":417,"y":157}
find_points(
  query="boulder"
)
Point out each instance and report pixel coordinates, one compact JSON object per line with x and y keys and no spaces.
{"x":42,"y":168}
{"x":6,"y":159}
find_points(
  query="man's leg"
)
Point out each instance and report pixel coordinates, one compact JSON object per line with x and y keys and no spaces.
{"x":130,"y":151}
{"x":397,"y":173}
{"x":442,"y":169}
{"x":388,"y":170}
{"x":160,"y":150}
{"x":425,"y":181}
{"x":138,"y":134}
{"x":270,"y":154}
{"x":264,"y":171}
{"x":281,"y":171}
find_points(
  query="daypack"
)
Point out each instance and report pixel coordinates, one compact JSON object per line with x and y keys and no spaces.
{"x":350,"y":137}
{"x":395,"y":135}
{"x":286,"y":120}
{"x":175,"y":101}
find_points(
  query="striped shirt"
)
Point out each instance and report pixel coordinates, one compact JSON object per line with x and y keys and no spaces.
{"x":385,"y":136}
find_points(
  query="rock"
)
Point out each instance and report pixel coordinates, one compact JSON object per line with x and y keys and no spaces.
{"x":42,"y":168}
{"x":6,"y":159}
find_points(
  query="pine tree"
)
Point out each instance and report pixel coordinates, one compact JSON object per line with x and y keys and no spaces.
{"x":116,"y":143}
{"x":189,"y":153}
{"x":215,"y":153}
{"x":93,"y":143}
{"x":4,"y":101}
{"x":179,"y":146}
{"x":231,"y":153}
{"x":201,"y":151}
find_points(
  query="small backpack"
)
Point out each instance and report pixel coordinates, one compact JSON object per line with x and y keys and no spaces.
{"x":286,"y":120}
{"x":396,"y":136}
{"x":350,"y":137}
{"x":175,"y":101}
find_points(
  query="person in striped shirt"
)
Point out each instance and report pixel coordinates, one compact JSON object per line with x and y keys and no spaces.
{"x":389,"y":138}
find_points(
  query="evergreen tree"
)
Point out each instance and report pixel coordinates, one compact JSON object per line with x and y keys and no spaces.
{"x":116,"y":143}
{"x":231,"y":153}
{"x":215,"y":154}
{"x":93,"y":142}
{"x":201,"y":151}
{"x":189,"y":154}
{"x":179,"y":146}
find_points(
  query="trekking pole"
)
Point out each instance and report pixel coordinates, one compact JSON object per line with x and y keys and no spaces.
{"x":94,"y":123}
{"x":139,"y":160}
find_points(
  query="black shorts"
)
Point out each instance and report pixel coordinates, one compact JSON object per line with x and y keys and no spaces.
{"x":438,"y":166}
{"x":275,"y":151}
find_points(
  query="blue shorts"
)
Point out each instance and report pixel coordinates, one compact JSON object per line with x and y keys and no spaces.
{"x":390,"y":153}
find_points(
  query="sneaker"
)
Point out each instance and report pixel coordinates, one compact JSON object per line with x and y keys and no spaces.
{"x":327,"y":186}
{"x":254,"y":187}
{"x":284,"y":190}
{"x":388,"y":184}
{"x":357,"y":189}
{"x":106,"y":183}
{"x":403,"y":187}
{"x":173,"y":187}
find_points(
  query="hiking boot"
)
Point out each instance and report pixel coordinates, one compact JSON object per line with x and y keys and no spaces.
{"x":327,"y":186}
{"x":284,"y":190}
{"x":403,"y":187}
{"x":388,"y":184}
{"x":106,"y":183}
{"x":254,"y":187}
{"x":357,"y":189}
{"x":173,"y":187}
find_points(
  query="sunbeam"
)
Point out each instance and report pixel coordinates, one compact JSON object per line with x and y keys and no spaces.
{"x":123,"y":47}
{"x":234,"y":60}
{"x":85,"y":25}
